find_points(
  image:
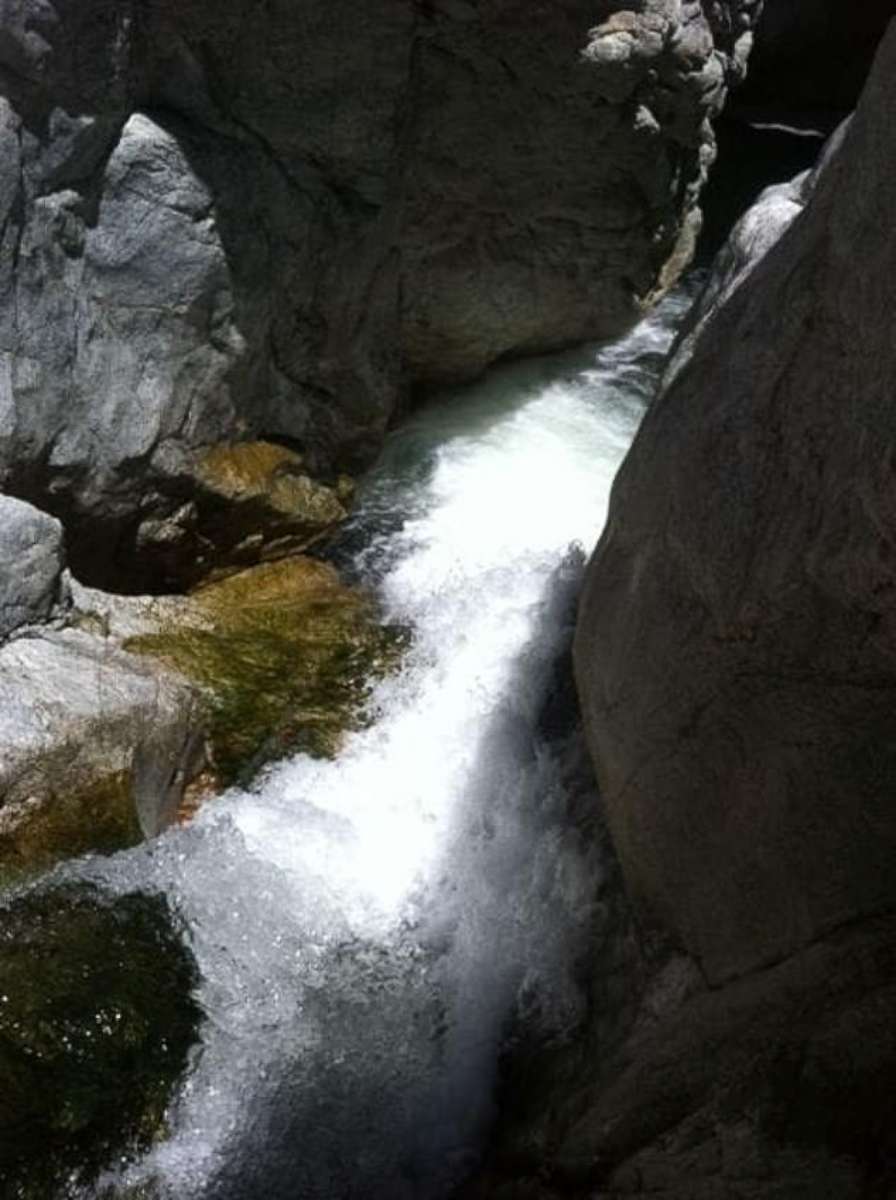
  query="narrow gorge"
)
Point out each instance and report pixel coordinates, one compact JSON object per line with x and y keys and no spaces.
{"x":445,"y":577}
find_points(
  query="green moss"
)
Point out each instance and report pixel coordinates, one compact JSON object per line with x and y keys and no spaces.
{"x":244,"y":471}
{"x":97,"y":1019}
{"x":102,"y":818}
{"x":286,"y":655}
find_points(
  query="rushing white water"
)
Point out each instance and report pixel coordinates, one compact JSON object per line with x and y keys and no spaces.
{"x":369,"y":930}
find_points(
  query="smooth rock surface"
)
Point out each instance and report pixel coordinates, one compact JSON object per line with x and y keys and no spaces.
{"x":217,"y":228}
{"x":752,"y":236}
{"x":32,"y":559}
{"x":736,"y":652}
{"x":96,"y":747}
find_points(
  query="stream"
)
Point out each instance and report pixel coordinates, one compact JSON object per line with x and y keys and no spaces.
{"x":371,"y":930}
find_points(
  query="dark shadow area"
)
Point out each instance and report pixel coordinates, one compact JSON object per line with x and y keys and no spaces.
{"x":807,"y":69}
{"x":813,"y":56}
{"x":751,"y":157}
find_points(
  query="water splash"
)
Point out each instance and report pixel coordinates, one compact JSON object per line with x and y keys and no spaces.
{"x":368,"y":928}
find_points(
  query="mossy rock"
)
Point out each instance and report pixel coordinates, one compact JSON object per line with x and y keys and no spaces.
{"x":274,"y":475}
{"x":97,"y":1019}
{"x":285,"y":653}
{"x":100,"y":818}
{"x":256,"y":502}
{"x":249,"y":502}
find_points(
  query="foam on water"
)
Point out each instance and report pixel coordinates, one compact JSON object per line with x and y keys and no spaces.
{"x":368,"y":929}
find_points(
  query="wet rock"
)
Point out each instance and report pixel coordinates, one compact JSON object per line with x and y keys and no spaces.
{"x":97,"y":1020}
{"x":284,"y":653}
{"x":256,"y":501}
{"x":251,"y":502}
{"x":220,"y":230}
{"x":128,"y":716}
{"x":32,"y":558}
{"x":735,"y":652}
{"x":96,"y":748}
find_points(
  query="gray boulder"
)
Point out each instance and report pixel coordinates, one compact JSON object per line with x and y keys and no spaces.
{"x":96,"y":747}
{"x":219,"y":229}
{"x":757,"y":231}
{"x":736,"y":655}
{"x":32,"y":559}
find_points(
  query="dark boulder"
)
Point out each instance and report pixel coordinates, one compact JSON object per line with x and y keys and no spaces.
{"x":736,"y":654}
{"x":97,"y":1019}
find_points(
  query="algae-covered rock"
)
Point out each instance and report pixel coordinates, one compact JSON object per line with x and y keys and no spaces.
{"x":257,"y":502}
{"x":274,"y":475}
{"x":97,"y":1019}
{"x":44,"y":830}
{"x":96,"y":746}
{"x":251,"y":502}
{"x":285,"y":654}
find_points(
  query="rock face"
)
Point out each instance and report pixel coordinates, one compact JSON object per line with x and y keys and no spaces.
{"x":217,"y":228}
{"x":31,"y":564}
{"x":736,"y":654}
{"x":736,"y":663}
{"x":752,"y":236}
{"x":774,"y":1088}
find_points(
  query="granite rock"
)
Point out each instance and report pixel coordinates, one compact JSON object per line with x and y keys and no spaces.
{"x":32,"y":560}
{"x":735,"y":651}
{"x":216,"y":229}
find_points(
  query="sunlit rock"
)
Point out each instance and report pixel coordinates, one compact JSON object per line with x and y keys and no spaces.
{"x":250,"y":502}
{"x":96,"y":747}
{"x":284,"y":653}
{"x":219,"y":229}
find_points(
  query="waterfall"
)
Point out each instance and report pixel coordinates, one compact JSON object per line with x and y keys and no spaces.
{"x":370,"y":929}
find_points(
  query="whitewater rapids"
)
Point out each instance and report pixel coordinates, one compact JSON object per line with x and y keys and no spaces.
{"x":370,"y":930}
